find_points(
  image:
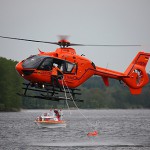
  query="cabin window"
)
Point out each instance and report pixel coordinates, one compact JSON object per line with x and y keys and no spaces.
{"x":70,"y":68}
{"x":65,"y":66}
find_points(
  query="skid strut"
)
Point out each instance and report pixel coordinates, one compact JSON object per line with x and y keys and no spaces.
{"x":46,"y":91}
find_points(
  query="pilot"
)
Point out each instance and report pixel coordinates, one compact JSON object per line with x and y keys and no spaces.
{"x":56,"y":74}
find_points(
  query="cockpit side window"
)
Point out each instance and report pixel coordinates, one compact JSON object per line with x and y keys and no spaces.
{"x":46,"y":64}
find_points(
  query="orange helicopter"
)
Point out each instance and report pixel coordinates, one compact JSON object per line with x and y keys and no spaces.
{"x":76,"y":69}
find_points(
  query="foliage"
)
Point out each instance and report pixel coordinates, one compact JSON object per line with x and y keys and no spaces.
{"x":115,"y":96}
{"x":10,"y":84}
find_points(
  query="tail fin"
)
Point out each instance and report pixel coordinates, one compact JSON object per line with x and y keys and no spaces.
{"x":136,"y":73}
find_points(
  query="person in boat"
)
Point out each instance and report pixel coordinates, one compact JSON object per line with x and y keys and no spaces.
{"x":57,"y":114}
{"x":55,"y":76}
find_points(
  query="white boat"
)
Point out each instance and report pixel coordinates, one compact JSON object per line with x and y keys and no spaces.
{"x":52,"y":119}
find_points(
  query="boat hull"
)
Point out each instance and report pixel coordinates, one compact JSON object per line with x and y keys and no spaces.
{"x":51,"y":124}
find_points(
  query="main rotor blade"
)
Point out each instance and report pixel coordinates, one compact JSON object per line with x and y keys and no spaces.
{"x":72,"y":44}
{"x":29,"y":40}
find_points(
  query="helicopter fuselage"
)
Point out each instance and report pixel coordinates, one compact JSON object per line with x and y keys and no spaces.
{"x":77,"y":69}
{"x":38,"y":68}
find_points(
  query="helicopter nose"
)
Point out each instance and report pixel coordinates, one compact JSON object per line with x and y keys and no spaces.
{"x":23,"y":71}
{"x":19,"y":68}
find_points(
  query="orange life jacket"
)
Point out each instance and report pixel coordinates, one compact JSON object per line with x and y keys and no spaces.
{"x":55,"y":71}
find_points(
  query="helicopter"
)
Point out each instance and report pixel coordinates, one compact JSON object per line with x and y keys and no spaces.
{"x":37,"y":70}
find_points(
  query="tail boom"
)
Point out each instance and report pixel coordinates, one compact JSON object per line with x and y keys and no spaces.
{"x":135,"y":76}
{"x":107,"y":73}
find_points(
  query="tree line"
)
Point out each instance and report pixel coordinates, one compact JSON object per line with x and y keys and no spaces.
{"x":10,"y":84}
{"x":94,"y":93}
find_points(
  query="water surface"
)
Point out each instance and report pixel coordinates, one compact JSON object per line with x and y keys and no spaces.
{"x":118,"y":129}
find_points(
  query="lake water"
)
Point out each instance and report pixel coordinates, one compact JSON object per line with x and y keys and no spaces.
{"x":118,"y":130}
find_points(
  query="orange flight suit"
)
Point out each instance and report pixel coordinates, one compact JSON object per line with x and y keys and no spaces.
{"x":55,"y":75}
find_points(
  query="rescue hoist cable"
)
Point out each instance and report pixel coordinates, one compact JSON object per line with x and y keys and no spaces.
{"x":65,"y":94}
{"x":91,"y":125}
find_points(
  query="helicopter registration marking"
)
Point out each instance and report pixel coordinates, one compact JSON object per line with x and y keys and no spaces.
{"x":43,"y":72}
{"x":71,"y":77}
{"x":141,"y":63}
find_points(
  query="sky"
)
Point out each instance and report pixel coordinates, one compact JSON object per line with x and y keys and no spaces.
{"x":84,"y":21}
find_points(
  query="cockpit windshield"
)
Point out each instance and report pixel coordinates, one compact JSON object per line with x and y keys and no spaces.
{"x":33,"y":61}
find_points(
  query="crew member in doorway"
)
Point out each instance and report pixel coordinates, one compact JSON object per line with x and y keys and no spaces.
{"x":55,"y":76}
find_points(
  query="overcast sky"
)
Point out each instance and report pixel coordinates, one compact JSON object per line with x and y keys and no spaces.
{"x":85,"y":21}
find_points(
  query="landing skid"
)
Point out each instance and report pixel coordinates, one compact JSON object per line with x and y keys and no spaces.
{"x":46,"y":91}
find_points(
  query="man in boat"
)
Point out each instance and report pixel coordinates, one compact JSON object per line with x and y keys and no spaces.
{"x":57,"y":114}
{"x":55,"y":76}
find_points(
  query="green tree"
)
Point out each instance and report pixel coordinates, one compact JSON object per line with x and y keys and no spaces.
{"x":10,"y":84}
